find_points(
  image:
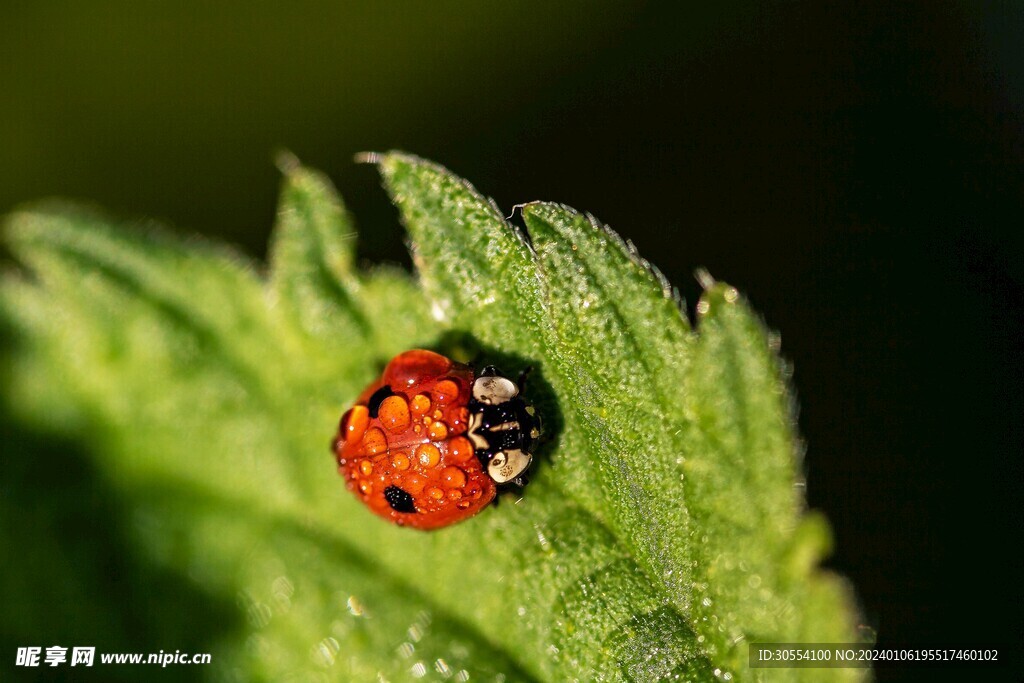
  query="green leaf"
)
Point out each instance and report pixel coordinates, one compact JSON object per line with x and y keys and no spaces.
{"x":193,"y":400}
{"x":312,"y":258}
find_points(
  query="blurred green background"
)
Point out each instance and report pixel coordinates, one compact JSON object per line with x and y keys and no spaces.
{"x":856,"y":168}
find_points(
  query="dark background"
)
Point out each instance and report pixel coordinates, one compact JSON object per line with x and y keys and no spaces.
{"x":857,"y":169}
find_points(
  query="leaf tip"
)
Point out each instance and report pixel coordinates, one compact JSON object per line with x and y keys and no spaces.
{"x":302,"y":178}
{"x":812,"y":542}
{"x":407,"y":176}
{"x":33,"y":222}
{"x":395,"y":165}
{"x":286,"y":161}
{"x":717,"y":296}
{"x":393,"y":162}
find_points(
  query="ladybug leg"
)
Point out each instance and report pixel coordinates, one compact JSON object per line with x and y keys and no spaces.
{"x":521,"y":381}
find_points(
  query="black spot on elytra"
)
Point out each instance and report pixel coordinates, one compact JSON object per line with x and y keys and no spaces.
{"x":399,"y":500}
{"x":378,"y":397}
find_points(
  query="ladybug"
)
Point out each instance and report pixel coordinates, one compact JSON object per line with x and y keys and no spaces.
{"x":429,"y":443}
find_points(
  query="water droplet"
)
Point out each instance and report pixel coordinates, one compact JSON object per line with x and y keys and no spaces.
{"x":327,"y":651}
{"x":419,"y":626}
{"x":282,"y":603}
{"x":355,"y":607}
{"x":394,"y":414}
{"x":282,"y":585}
{"x":354,"y":423}
{"x":453,"y":478}
{"x":406,"y":649}
{"x":441,"y":667}
{"x":283,"y":590}
{"x":400,"y":461}
{"x":259,"y":614}
{"x":374,"y":441}
{"x":706,"y":602}
{"x":445,"y":391}
{"x":428,"y":455}
{"x":419,"y":669}
{"x":545,"y":544}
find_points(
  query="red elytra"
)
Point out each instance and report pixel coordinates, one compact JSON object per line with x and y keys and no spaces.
{"x":403,"y":447}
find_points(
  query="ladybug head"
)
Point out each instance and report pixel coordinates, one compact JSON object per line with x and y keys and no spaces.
{"x":502,"y":426}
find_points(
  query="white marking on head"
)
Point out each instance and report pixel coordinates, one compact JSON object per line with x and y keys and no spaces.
{"x":507,"y":465}
{"x":494,"y":390}
{"x":473,"y":432}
